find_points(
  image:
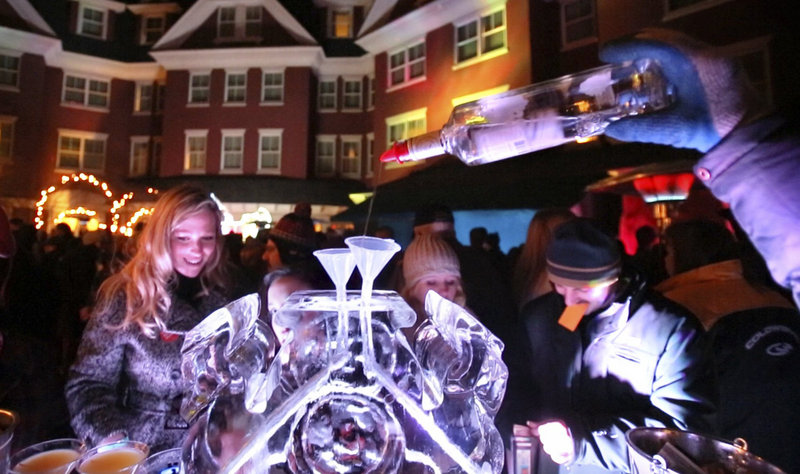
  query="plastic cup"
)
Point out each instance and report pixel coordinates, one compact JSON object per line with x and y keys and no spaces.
{"x":162,"y":462}
{"x":56,"y":456}
{"x":122,"y":457}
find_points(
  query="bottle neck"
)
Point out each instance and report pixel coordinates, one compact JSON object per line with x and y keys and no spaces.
{"x":425,"y":146}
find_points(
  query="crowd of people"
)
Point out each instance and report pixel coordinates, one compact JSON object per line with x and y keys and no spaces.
{"x":687,"y":333}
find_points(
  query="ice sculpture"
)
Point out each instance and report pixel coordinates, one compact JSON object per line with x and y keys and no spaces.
{"x":348,"y":392}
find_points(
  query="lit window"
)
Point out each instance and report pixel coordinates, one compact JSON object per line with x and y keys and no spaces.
{"x":92,"y":22}
{"x":272,"y":88}
{"x":327,"y":95}
{"x":235,"y":87}
{"x":481,"y":36}
{"x":85,"y":91}
{"x":6,"y":138}
{"x":144,"y":98}
{"x":577,"y":22}
{"x":152,"y":28}
{"x":239,"y":23}
{"x":232,"y":150}
{"x":326,"y":155}
{"x":351,"y":156}
{"x":195,"y":156}
{"x":404,"y":126}
{"x":81,"y":151}
{"x":370,"y":155}
{"x":269,"y":159}
{"x":9,"y":71}
{"x":140,"y":149}
{"x":199,"y":87}
{"x":407,"y":64}
{"x":352,"y":95}
{"x":341,"y":23}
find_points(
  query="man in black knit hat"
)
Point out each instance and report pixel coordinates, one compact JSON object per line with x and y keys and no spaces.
{"x":602,"y":355}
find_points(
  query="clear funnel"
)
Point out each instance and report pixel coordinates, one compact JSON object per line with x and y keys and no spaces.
{"x":339,"y":264}
{"x":371,"y":254}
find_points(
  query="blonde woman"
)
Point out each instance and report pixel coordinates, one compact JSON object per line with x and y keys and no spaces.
{"x":126,"y":380}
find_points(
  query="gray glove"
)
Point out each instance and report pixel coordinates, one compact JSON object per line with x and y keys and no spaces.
{"x":713,"y":94}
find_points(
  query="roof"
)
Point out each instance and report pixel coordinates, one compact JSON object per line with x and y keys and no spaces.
{"x":548,"y":178}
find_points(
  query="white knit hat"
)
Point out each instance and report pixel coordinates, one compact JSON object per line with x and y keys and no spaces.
{"x":428,"y":255}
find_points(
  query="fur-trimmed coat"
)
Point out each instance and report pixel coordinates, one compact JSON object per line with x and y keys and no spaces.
{"x":124,"y":382}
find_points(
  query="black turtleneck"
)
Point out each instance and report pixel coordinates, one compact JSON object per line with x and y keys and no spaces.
{"x":188,"y":289}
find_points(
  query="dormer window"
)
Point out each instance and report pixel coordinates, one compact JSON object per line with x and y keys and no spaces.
{"x":152,"y":28}
{"x":340,"y":23}
{"x":92,"y":21}
{"x":239,"y":23}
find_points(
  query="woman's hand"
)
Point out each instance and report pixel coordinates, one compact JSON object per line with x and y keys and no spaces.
{"x":556,"y":440}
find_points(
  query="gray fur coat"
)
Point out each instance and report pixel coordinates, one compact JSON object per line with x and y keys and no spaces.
{"x":123,"y":381}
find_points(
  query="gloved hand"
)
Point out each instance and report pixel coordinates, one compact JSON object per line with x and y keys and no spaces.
{"x":713,"y":94}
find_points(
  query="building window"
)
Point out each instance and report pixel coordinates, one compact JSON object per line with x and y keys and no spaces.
{"x":481,"y":36}
{"x":6,"y":138}
{"x":199,"y":88}
{"x":272,"y":88}
{"x":9,"y":71}
{"x":341,"y":23}
{"x":195,"y":155}
{"x":371,"y":95}
{"x":352,"y":95}
{"x":351,"y":156}
{"x":153,"y":28}
{"x":239,"y":23}
{"x":232,"y":150}
{"x":140,"y":151}
{"x":92,"y":22}
{"x":86,"y":92}
{"x":407,"y":64}
{"x":577,"y":23}
{"x":81,"y":151}
{"x":235,"y":87}
{"x":326,"y":155}
{"x":269,"y":158}
{"x":407,"y":125}
{"x":327,"y":94}
{"x":144,"y":98}
{"x":369,"y":166}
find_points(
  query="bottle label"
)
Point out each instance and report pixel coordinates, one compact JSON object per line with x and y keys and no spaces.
{"x":541,"y":129}
{"x":425,"y":146}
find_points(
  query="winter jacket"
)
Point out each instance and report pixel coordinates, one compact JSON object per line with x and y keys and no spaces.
{"x":123,"y":381}
{"x":641,"y":362}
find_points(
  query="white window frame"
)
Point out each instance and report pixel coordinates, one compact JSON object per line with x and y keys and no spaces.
{"x":237,"y":87}
{"x":345,"y":142}
{"x":700,"y":5}
{"x":7,"y":139}
{"x":405,"y":119}
{"x":371,"y":92}
{"x":187,"y":154}
{"x":82,"y":137}
{"x":143,"y":98}
{"x":480,"y":38}
{"x":192,"y":88}
{"x":240,"y":23}
{"x":231,"y":136}
{"x":81,"y":20}
{"x":138,"y":164}
{"x":591,"y":17}
{"x":321,"y":160}
{"x":272,"y":87}
{"x":356,"y":97}
{"x":340,"y":29}
{"x":406,"y":66}
{"x":270,"y":133}
{"x":145,"y":30}
{"x":86,"y":92}
{"x":322,"y":95}
{"x":8,"y":71}
{"x":369,"y":156}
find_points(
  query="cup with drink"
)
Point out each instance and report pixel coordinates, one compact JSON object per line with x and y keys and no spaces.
{"x":56,"y":456}
{"x":121,"y":457}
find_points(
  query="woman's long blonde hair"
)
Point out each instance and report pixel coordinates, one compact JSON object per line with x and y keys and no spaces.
{"x":146,"y":280}
{"x":529,"y":278}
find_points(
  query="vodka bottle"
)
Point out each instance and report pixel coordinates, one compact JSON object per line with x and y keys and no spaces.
{"x":541,"y":115}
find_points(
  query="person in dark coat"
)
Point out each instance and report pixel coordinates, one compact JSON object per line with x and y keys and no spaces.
{"x":604,"y":355}
{"x":126,"y":380}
